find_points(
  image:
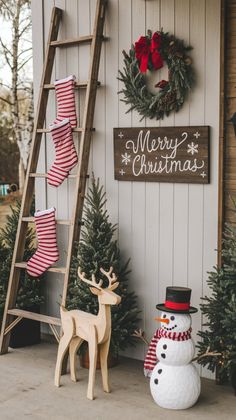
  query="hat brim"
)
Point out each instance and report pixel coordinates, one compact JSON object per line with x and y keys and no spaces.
{"x":162,"y":307}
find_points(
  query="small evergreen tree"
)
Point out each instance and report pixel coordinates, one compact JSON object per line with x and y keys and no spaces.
{"x":97,"y":248}
{"x":220,"y":312}
{"x":29,"y":294}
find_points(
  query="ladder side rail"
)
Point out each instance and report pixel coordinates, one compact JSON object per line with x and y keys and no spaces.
{"x":27,"y":196}
{"x":85,"y":140}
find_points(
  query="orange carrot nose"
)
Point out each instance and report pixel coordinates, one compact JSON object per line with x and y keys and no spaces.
{"x":162,"y":320}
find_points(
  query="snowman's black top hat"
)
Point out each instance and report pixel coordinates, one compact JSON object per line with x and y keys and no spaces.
{"x":177,"y":301}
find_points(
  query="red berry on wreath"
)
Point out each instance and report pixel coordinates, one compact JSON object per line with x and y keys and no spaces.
{"x":162,"y":84}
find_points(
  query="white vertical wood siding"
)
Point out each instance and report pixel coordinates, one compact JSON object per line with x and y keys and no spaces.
{"x":169,"y":230}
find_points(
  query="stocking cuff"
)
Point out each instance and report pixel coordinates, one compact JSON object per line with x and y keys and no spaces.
{"x":66,"y":79}
{"x":58,"y":125}
{"x":43,"y":212}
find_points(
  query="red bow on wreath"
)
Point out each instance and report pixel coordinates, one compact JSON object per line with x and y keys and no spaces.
{"x":145,"y":49}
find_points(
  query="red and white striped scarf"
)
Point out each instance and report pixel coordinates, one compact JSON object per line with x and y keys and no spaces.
{"x":151,"y":358}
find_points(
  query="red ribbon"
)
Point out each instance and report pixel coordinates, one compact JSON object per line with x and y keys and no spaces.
{"x":144,"y":49}
{"x":177,"y":305}
{"x":155,"y":45}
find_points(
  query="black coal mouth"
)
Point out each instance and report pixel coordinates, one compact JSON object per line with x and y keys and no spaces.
{"x":169,"y":329}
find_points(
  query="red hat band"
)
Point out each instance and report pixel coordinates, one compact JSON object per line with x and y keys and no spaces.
{"x":177,"y":305}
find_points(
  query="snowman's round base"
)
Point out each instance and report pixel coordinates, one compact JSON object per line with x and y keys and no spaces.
{"x":175,"y":387}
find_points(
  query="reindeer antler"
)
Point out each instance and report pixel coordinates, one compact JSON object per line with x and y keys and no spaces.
{"x":92,"y":282}
{"x":112,"y":279}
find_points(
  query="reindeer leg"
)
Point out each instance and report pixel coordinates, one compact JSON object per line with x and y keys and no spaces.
{"x":62,"y":348}
{"x":74,"y":346}
{"x":104,"y":349}
{"x":92,"y":361}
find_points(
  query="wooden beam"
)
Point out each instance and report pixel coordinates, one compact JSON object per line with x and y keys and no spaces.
{"x":86,"y":135}
{"x":222,"y":135}
{"x":79,"y":85}
{"x":23,"y":265}
{"x":75,"y":41}
{"x":41,"y":175}
{"x":36,"y":317}
{"x":58,"y":221}
{"x":55,"y":333}
{"x":12,"y":325}
{"x":46,"y":130}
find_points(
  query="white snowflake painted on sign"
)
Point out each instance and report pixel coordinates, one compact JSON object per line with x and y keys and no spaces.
{"x":125,"y":158}
{"x":197,"y":134}
{"x":122,"y":172}
{"x":192,"y":148}
{"x":203,"y":174}
{"x":121,"y":135}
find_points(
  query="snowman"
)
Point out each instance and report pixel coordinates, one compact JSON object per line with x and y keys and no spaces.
{"x":174,"y":382}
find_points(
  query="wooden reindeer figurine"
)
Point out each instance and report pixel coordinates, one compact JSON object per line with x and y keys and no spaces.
{"x":79,"y":326}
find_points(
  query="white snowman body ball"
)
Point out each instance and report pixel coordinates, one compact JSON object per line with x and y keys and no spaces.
{"x":175,"y":382}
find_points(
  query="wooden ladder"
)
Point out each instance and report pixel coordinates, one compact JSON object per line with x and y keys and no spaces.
{"x":12,"y":315}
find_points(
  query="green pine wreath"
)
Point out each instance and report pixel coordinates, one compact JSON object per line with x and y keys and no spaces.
{"x":172,"y":93}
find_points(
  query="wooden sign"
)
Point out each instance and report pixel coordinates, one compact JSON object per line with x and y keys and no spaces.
{"x":162,"y":154}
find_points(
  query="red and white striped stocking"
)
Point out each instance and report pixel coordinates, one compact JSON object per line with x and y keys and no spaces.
{"x":65,"y":93}
{"x":66,"y":156}
{"x":47,"y":252}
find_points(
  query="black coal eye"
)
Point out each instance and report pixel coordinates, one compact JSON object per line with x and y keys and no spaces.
{"x":172,"y":318}
{"x":164,"y":316}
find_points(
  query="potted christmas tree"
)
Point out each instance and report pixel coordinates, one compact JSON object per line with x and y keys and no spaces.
{"x":217,"y":347}
{"x":98,"y":248}
{"x":26,"y":332}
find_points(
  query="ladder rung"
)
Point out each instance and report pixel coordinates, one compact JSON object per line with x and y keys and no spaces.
{"x":46,"y":130}
{"x":37,"y":317}
{"x":38,"y":175}
{"x":59,"y":221}
{"x":79,"y":85}
{"x":69,"y":42}
{"x":61,"y":270}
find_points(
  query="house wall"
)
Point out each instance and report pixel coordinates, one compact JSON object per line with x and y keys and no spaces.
{"x":168,"y":230}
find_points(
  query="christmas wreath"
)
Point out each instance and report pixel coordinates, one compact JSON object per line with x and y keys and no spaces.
{"x":149,"y":53}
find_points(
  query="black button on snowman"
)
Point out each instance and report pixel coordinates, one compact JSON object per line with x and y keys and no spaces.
{"x":175,"y":382}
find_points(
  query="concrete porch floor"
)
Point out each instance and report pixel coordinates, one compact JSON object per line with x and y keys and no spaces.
{"x":27,"y":391}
